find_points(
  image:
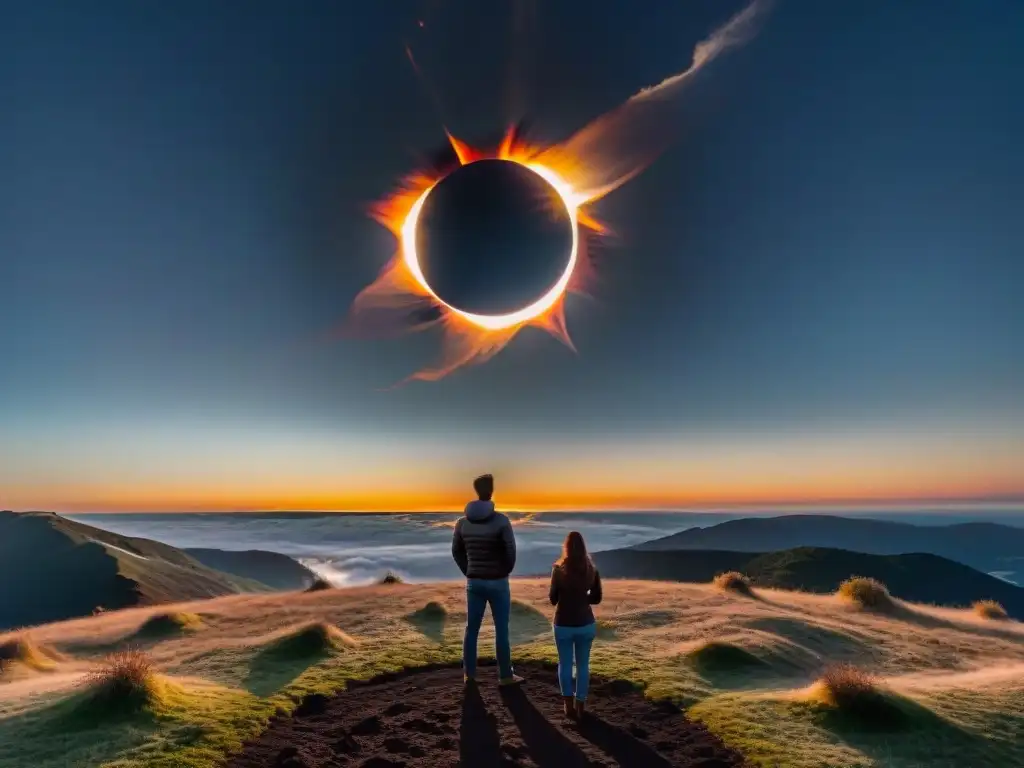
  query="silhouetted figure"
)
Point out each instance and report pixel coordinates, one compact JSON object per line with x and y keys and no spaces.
{"x":484,"y":548}
{"x":575,"y":586}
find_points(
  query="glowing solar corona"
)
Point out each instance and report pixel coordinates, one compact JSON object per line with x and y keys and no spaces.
{"x":592,"y":162}
{"x":528,"y":313}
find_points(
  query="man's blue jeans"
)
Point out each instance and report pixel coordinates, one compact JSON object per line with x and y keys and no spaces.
{"x":479,"y":594}
{"x":574,"y":642}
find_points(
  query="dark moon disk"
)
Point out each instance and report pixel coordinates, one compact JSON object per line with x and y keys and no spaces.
{"x":493,"y":237}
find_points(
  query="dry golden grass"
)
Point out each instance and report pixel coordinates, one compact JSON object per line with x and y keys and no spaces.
{"x":318,"y":637}
{"x":845,"y":685}
{"x":965,"y":676}
{"x":990,"y":609}
{"x":125,"y":682}
{"x":867,"y":593}
{"x":734,"y":581}
{"x":21,"y":649}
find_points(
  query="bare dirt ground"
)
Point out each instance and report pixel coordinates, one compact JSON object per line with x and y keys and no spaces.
{"x":431,"y":718}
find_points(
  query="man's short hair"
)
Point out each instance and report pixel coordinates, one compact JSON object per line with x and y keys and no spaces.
{"x":484,"y":487}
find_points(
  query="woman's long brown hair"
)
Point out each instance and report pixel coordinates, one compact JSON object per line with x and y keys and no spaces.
{"x":574,"y":560}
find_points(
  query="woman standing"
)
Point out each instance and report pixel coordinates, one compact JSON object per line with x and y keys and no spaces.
{"x":575,"y":586}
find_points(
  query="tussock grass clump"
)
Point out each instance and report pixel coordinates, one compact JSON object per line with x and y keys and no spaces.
{"x":844,"y":685}
{"x":853,"y":694}
{"x":21,"y":649}
{"x":126,"y":682}
{"x":319,"y":585}
{"x":313,"y":639}
{"x":391,"y":578}
{"x":171,"y":623}
{"x":990,"y":609}
{"x":867,"y":593}
{"x":720,"y":656}
{"x":734,"y":581}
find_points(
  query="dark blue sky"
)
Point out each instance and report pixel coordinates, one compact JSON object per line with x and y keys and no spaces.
{"x":829,"y":256}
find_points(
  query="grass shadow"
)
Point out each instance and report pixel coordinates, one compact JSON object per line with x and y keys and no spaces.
{"x":725,"y":665}
{"x":651,"y":619}
{"x":157,"y":628}
{"x":814,"y":637}
{"x":607,"y":631}
{"x":69,"y":732}
{"x":430,"y":621}
{"x":283,"y":660}
{"x":895,"y":730}
{"x":527,"y":623}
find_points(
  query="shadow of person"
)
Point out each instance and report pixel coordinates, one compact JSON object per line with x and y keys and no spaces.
{"x":547,"y":745}
{"x":618,"y":744}
{"x":479,"y":742}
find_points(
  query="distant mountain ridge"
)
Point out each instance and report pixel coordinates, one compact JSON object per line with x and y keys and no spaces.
{"x":985,"y":546}
{"x":53,"y":568}
{"x":920,"y":577}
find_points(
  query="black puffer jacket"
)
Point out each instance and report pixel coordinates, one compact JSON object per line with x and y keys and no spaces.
{"x":484,"y":546}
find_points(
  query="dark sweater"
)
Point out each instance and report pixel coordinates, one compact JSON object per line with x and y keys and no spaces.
{"x":483,"y":545}
{"x":572,"y":597}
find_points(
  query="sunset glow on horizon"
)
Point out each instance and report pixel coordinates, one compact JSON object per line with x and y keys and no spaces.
{"x":235,"y":472}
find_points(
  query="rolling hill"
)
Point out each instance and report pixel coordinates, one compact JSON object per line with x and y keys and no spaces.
{"x":985,"y":546}
{"x":947,"y":687}
{"x":921,"y":578}
{"x":53,"y":568}
{"x":271,"y":568}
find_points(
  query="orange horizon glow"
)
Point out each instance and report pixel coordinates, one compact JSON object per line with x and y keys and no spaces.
{"x":923,"y":461}
{"x":536,"y":502}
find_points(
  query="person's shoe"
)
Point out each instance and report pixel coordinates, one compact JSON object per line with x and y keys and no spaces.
{"x":581,"y":709}
{"x":568,"y":707}
{"x":513,"y":680}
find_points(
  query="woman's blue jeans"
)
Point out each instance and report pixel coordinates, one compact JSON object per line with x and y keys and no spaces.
{"x":573,"y":643}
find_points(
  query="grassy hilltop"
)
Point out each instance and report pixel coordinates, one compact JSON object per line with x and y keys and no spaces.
{"x":766,"y":670}
{"x":920,"y":578}
{"x":55,"y":568}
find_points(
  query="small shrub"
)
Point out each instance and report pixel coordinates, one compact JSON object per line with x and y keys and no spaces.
{"x":867,"y":593}
{"x":990,"y":609}
{"x":391,"y":578}
{"x":846,"y":684}
{"x":126,"y":681}
{"x":854,"y":693}
{"x":319,"y":584}
{"x":734,"y":581}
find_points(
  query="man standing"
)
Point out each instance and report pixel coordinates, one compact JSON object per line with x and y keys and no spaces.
{"x":484,"y":548}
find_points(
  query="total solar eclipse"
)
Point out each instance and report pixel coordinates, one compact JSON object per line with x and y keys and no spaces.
{"x":493,"y":238}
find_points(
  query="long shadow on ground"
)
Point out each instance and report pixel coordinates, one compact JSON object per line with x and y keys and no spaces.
{"x":546,"y":744}
{"x":429,"y":717}
{"x":480,"y":743}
